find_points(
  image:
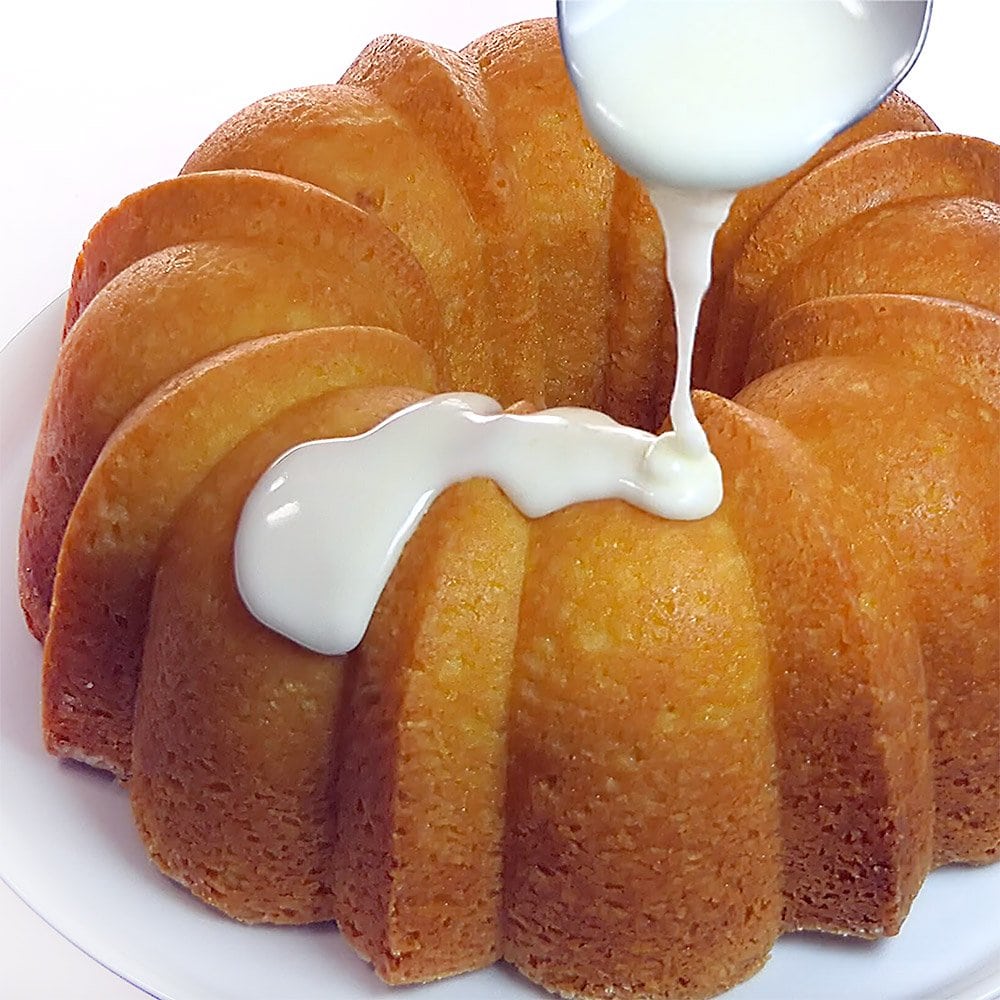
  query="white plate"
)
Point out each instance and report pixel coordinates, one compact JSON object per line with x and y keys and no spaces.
{"x":68,"y":848}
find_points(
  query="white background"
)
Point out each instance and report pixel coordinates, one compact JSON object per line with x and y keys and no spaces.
{"x":101,"y":98}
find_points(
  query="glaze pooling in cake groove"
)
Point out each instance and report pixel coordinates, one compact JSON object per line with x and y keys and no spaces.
{"x":318,"y":584}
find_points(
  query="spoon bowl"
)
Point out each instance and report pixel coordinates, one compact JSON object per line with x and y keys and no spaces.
{"x":725,"y":94}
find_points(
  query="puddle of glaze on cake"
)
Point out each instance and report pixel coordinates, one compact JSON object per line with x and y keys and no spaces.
{"x":323,"y":529}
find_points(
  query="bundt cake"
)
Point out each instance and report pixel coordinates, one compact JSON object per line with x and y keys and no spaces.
{"x":622,"y":753}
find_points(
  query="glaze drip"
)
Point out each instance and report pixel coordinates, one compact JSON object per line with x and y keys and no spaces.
{"x":323,"y":529}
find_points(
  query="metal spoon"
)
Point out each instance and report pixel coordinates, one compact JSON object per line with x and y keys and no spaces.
{"x":713,"y":93}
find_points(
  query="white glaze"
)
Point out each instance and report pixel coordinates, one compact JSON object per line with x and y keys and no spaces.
{"x":698,"y":97}
{"x":323,"y":529}
{"x":690,"y":220}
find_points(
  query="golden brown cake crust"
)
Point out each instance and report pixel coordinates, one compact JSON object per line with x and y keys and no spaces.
{"x":150,"y":465}
{"x":955,"y":341}
{"x":444,"y":100}
{"x":421,"y":790}
{"x":846,"y":668}
{"x":897,"y":113}
{"x":886,"y":170}
{"x":640,"y":669}
{"x":544,"y":141}
{"x":181,"y":270}
{"x":935,"y":508}
{"x":877,"y":252}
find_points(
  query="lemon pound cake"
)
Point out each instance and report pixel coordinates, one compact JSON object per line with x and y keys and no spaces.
{"x":621,"y":752}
